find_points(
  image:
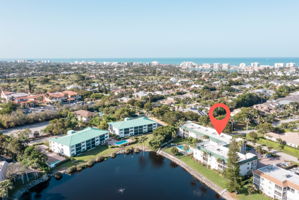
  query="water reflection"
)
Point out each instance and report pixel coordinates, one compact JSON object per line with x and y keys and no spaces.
{"x":156,"y":160}
{"x":193,"y":182}
{"x":173,"y":164}
{"x":121,"y":178}
{"x":142,"y":162}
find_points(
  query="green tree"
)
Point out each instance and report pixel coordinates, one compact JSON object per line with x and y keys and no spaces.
{"x":33,"y":158}
{"x":252,"y":136}
{"x":162,"y":135}
{"x":281,"y":143}
{"x":103,"y":124}
{"x":232,"y":172}
{"x":5,"y":186}
{"x":248,"y":100}
{"x":174,"y":150}
{"x":265,"y":128}
{"x":7,"y":108}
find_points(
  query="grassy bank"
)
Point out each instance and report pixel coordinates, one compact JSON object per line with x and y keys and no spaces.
{"x":216,"y":177}
{"x":287,"y":149}
{"x":103,"y":151}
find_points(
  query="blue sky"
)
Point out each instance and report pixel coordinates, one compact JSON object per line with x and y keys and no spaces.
{"x":149,"y":28}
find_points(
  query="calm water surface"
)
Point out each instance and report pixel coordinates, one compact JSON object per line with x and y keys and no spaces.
{"x":143,"y":176}
{"x":232,"y":61}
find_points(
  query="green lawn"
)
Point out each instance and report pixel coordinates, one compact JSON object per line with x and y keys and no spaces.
{"x":88,"y":155}
{"x":101,"y":151}
{"x":212,"y":175}
{"x":215,"y":177}
{"x":253,"y":197}
{"x":287,"y":149}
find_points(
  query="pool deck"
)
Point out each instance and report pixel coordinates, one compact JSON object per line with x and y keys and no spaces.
{"x":112,"y":142}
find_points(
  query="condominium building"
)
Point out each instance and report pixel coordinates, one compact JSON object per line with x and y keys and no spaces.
{"x":130,"y":127}
{"x":190,"y":129}
{"x":277,"y":183}
{"x":213,"y":148}
{"x":215,"y":156}
{"x":76,"y":142}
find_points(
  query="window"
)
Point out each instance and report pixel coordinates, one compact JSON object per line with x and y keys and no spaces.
{"x":278,"y":187}
{"x":277,"y":193}
{"x":291,"y":190}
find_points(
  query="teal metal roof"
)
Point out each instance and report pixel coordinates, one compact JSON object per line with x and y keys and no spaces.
{"x":79,"y":136}
{"x":141,"y":121}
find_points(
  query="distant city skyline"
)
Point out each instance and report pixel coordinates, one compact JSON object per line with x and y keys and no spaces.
{"x":153,"y":29}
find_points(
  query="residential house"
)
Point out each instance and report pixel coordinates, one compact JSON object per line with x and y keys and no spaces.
{"x":84,"y":115}
{"x":11,"y":96}
{"x":60,"y":97}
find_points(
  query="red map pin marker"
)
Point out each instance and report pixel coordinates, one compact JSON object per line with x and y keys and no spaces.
{"x":219,"y":125}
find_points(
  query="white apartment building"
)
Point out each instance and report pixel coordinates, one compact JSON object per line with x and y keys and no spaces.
{"x":75,"y":143}
{"x":213,"y":151}
{"x":130,"y":127}
{"x":277,"y":183}
{"x":214,"y":155}
{"x":190,"y":129}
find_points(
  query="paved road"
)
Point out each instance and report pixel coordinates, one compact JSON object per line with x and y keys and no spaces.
{"x":33,"y":127}
{"x":283,"y":155}
{"x":296,"y":118}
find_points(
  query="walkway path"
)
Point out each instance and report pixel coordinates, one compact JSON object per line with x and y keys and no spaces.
{"x":197,"y":175}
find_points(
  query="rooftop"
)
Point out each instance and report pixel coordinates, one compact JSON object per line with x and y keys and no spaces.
{"x":84,"y":113}
{"x":79,"y":136}
{"x":141,"y":121}
{"x":280,"y":176}
{"x":221,"y":152}
{"x":205,"y":131}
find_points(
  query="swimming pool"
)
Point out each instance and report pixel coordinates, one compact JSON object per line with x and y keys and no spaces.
{"x":121,"y":142}
{"x":182,"y":148}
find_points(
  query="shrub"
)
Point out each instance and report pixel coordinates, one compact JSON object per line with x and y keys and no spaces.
{"x":79,"y":168}
{"x":91,"y":163}
{"x":136,"y":150}
{"x":71,"y":170}
{"x":174,"y":150}
{"x":100,"y":159}
{"x":58,"y":175}
{"x":113,"y":155}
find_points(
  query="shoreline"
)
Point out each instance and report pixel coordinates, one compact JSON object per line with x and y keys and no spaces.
{"x":19,"y":193}
{"x":222,"y":192}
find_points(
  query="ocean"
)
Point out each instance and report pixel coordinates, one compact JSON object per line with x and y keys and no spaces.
{"x":175,"y":61}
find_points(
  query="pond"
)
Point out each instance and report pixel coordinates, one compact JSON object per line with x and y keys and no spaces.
{"x":145,"y":176}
